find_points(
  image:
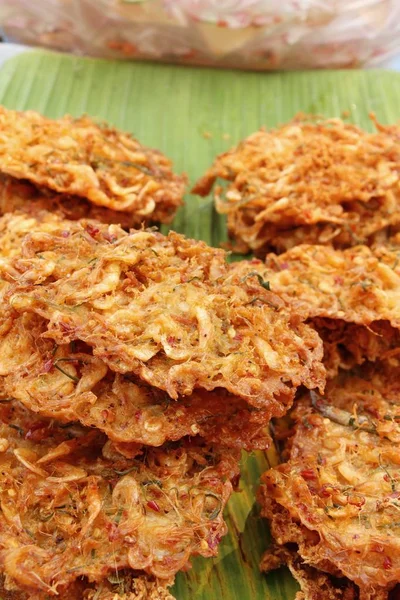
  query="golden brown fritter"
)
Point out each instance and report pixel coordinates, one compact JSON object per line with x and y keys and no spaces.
{"x":373,"y":390}
{"x":314,"y":585}
{"x":121,"y":586}
{"x":129,"y":587}
{"x":95,"y":512}
{"x":68,"y":383}
{"x":353,"y":285}
{"x":337,"y":497}
{"x":166,"y":309}
{"x":74,"y":592}
{"x":347,"y":345}
{"x":309,"y":181}
{"x":349,"y":296}
{"x":21,"y":195}
{"x":81,"y":158}
{"x":14,"y":227}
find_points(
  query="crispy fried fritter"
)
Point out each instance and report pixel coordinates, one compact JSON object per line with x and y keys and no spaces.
{"x":353,"y":285}
{"x":314,"y":585}
{"x":166,"y":309}
{"x":347,"y":344}
{"x":337,"y":497}
{"x":373,"y":390}
{"x":21,"y":195}
{"x":310,"y":181}
{"x":129,"y":587}
{"x":69,"y":384}
{"x":94,"y":161}
{"x":94,"y":512}
{"x":350,"y":296}
{"x":74,"y":592}
{"x":15,"y":226}
{"x":120,"y":586}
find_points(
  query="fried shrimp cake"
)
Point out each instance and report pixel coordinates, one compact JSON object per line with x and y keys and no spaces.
{"x":118,"y":586}
{"x":309,"y":181}
{"x":349,"y":296}
{"x":81,"y":158}
{"x":68,"y":383}
{"x":21,"y":195}
{"x":94,"y":512}
{"x":166,"y":309}
{"x":336,"y":499}
{"x":314,"y":584}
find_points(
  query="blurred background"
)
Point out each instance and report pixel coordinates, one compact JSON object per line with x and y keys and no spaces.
{"x":246,"y":34}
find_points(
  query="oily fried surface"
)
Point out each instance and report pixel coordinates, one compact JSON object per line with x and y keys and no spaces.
{"x":70,"y":384}
{"x":128,"y":586}
{"x":310,"y":181}
{"x":14,"y":227}
{"x":349,"y":296}
{"x":165,"y":308}
{"x":95,"y":512}
{"x":347,"y":345}
{"x":21,"y":195}
{"x":82,"y":158}
{"x":353,"y":285}
{"x":366,"y":397}
{"x":337,"y":497}
{"x":314,"y":585}
{"x":120,"y":586}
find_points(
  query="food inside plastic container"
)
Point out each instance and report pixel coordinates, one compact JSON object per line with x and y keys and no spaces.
{"x":256,"y":34}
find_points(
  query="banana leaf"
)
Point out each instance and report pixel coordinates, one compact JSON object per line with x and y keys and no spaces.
{"x":192,"y":114}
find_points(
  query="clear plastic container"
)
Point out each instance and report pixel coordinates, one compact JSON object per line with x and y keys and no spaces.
{"x":253,"y":34}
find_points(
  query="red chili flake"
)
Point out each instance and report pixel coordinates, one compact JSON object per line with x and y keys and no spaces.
{"x":387,"y":563}
{"x":104,"y":414}
{"x":307,"y":512}
{"x":65,"y":327}
{"x":171,"y":340}
{"x":374,"y":413}
{"x":138,"y":414}
{"x":213,"y":541}
{"x":65,"y":234}
{"x":112,"y":530}
{"x":153,"y":505}
{"x":235,"y":481}
{"x":339,"y":280}
{"x":213,"y":482}
{"x":48,"y":365}
{"x":238,"y":337}
{"x":308,"y":474}
{"x":255,"y":261}
{"x":37,"y":432}
{"x":284,"y":266}
{"x":386,"y":478}
{"x":92,"y":230}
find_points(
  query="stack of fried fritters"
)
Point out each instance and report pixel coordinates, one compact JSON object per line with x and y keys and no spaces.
{"x":134,"y":368}
{"x":333,"y":503}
